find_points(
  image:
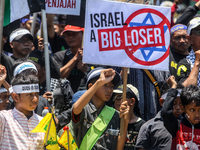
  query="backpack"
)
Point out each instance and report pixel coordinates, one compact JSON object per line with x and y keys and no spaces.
{"x":62,"y":95}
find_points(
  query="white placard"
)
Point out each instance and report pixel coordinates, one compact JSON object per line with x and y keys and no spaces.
{"x":69,"y":7}
{"x":127,"y":35}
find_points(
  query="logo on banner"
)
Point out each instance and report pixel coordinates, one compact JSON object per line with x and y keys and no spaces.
{"x":139,"y":39}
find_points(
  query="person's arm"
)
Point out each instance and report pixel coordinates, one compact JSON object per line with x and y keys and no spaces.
{"x":106,"y":76}
{"x":193,"y":77}
{"x":170,"y":121}
{"x":66,"y":69}
{"x":124,"y":112}
{"x":188,"y":14}
{"x":143,"y":140}
{"x":50,"y":25}
{"x":173,"y":10}
{"x":183,"y":70}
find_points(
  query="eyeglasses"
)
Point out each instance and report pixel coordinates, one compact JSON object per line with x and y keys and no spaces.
{"x":196,"y":32}
{"x":23,"y":41}
{"x":117,"y":97}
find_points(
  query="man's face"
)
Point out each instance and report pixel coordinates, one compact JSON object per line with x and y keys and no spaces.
{"x":4,"y":100}
{"x":73,"y":39}
{"x":194,"y":38}
{"x":27,"y":102}
{"x":28,"y":25}
{"x":180,"y":42}
{"x":22,"y":47}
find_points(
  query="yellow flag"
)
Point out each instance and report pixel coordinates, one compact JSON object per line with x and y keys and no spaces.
{"x":43,"y":125}
{"x":64,"y":140}
{"x":52,"y":142}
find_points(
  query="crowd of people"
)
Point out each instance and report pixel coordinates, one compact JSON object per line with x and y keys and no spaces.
{"x":161,"y":110}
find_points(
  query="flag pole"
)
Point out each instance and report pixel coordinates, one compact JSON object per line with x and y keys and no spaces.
{"x":33,"y":24}
{"x":46,"y":50}
{"x":68,"y":138}
{"x":125,"y":72}
{"x":2,"y":6}
{"x":45,"y":145}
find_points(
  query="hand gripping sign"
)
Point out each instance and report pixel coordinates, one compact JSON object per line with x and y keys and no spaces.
{"x":127,"y":35}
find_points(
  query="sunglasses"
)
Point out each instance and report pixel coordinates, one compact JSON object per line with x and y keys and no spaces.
{"x":196,"y":32}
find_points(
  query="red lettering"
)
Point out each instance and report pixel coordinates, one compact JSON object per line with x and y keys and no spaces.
{"x":64,"y":6}
{"x":74,"y":4}
{"x":46,"y":1}
{"x":49,"y":3}
{"x":61,"y":3}
{"x":53,"y":3}
{"x":58,"y":4}
{"x":69,"y":4}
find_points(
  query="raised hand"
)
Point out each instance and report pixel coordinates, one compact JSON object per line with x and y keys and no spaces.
{"x":3,"y":74}
{"x":172,"y":82}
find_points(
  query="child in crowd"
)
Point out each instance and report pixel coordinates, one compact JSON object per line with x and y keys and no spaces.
{"x":16,"y":124}
{"x":95,"y":125}
{"x":117,"y":98}
{"x":153,"y":134}
{"x":185,"y":133}
{"x":135,"y":122}
{"x":4,"y":98}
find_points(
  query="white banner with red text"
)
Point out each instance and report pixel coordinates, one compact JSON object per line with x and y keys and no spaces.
{"x":69,"y":7}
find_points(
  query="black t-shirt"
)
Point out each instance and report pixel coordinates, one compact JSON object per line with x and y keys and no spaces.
{"x":154,"y":136}
{"x":8,"y":63}
{"x":179,"y":66}
{"x":133,"y":130}
{"x":58,"y":43}
{"x":62,"y":58}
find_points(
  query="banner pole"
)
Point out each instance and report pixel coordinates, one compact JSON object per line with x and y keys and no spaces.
{"x":2,"y":6}
{"x":33,"y":24}
{"x":125,"y":72}
{"x":46,"y":50}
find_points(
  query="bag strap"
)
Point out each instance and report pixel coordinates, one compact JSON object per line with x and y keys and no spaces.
{"x":153,"y":81}
{"x":97,"y":128}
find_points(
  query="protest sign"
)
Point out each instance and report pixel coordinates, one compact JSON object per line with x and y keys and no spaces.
{"x":127,"y":35}
{"x":70,"y":7}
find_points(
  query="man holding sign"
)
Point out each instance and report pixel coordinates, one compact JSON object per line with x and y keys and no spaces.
{"x":70,"y":60}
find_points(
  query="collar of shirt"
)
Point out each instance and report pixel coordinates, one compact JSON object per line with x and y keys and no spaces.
{"x":17,"y":112}
{"x":93,"y":108}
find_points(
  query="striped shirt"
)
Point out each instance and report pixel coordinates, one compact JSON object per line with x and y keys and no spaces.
{"x":15,"y":130}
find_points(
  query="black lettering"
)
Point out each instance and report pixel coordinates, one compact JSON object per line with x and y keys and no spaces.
{"x":110,"y":19}
{"x":122,"y":16}
{"x":103,"y":20}
{"x":95,"y":18}
{"x":117,"y":18}
{"x":91,"y":20}
{"x":92,"y":36}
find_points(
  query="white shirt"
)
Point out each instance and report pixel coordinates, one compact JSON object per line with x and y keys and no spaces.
{"x":15,"y":130}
